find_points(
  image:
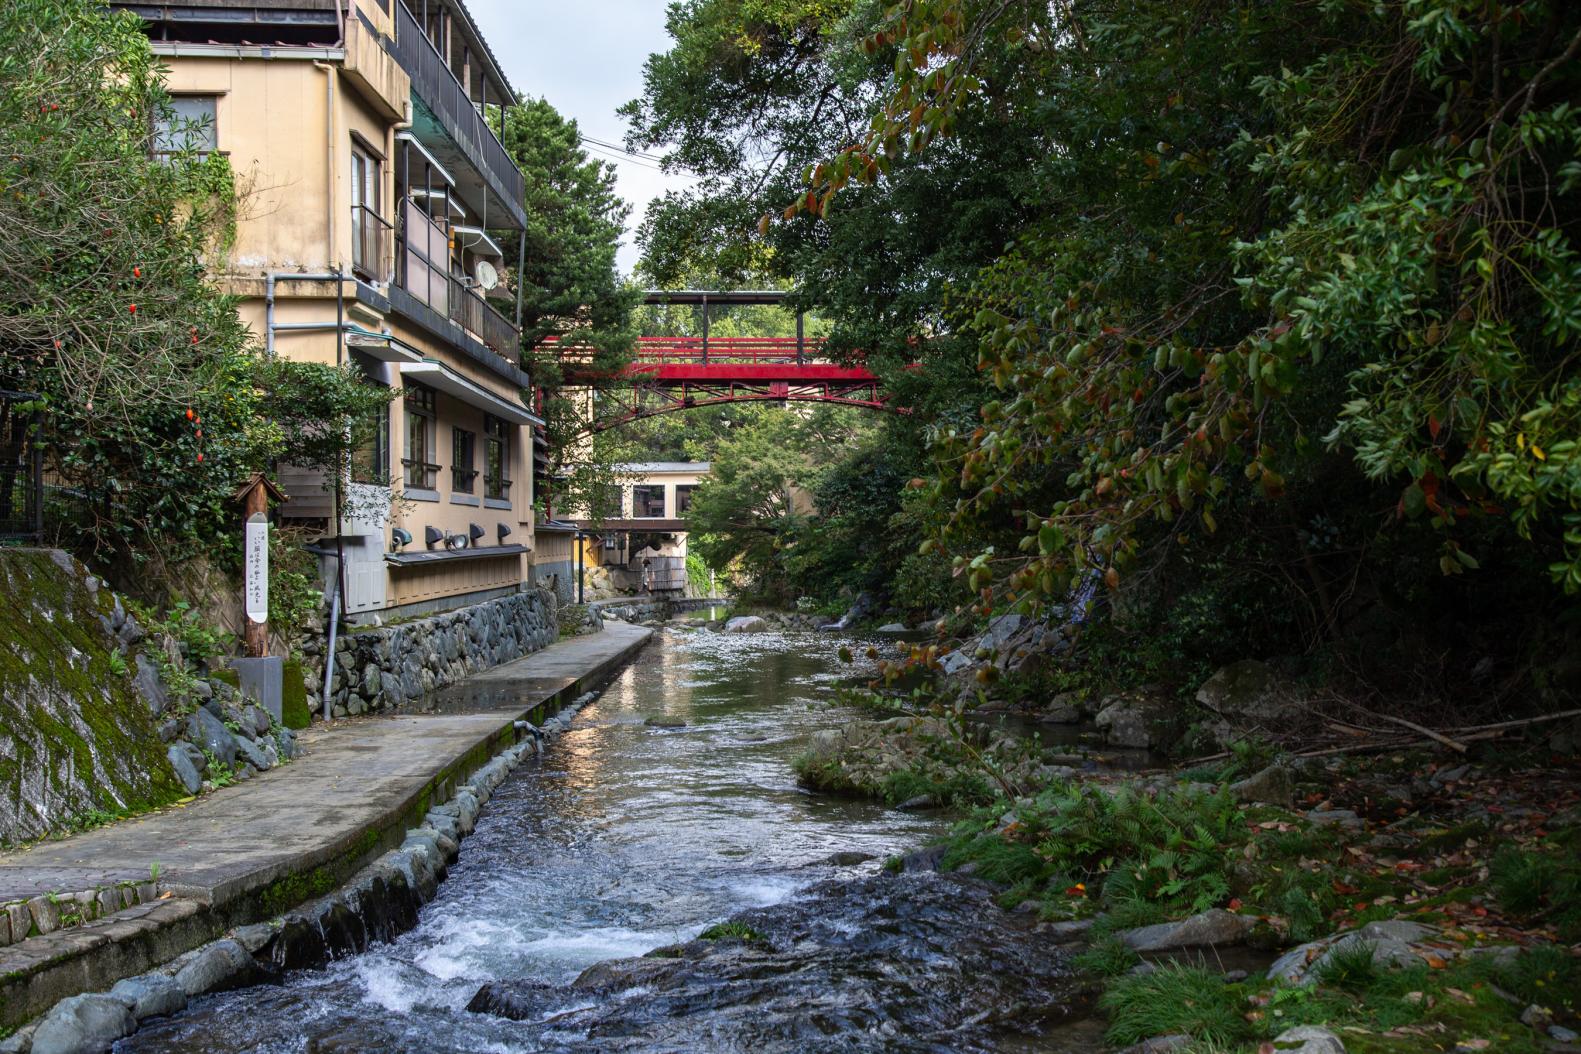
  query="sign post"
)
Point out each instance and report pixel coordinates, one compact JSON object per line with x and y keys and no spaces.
{"x":254,"y":496}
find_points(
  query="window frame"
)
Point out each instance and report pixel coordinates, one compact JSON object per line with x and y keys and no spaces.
{"x":641,"y":509}
{"x":463,"y":470}
{"x":367,"y":194}
{"x":496,"y":436}
{"x":212,"y":130}
{"x":421,"y":404}
{"x":683,"y":498}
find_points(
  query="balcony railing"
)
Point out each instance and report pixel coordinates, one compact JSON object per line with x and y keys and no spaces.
{"x":475,"y":316}
{"x":433,"y":80}
{"x":424,"y":271}
{"x":370,"y":243}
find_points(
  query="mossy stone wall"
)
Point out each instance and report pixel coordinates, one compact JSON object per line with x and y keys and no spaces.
{"x":77,"y":743}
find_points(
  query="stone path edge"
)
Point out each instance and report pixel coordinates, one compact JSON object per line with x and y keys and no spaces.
{"x":91,"y":958}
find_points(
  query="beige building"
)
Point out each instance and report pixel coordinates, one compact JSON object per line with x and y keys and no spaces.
{"x":374,"y":192}
{"x":643,"y":543}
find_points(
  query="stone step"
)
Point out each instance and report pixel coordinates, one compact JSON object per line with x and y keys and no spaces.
{"x":39,"y":904}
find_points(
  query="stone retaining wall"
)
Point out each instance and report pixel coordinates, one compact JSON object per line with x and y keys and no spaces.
{"x":380,"y":668}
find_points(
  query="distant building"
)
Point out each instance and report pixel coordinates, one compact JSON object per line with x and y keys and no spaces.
{"x":643,"y":544}
{"x":375,"y":193}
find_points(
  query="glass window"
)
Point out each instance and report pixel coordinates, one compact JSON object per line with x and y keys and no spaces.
{"x":370,"y":462}
{"x":496,"y":458}
{"x":683,"y":498}
{"x":189,"y":125}
{"x":647,"y":501}
{"x":463,"y":471}
{"x":367,"y":227}
{"x":421,"y":414}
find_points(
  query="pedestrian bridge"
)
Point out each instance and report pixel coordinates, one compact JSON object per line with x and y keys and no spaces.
{"x":670,"y":374}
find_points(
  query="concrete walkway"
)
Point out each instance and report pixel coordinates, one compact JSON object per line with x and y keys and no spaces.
{"x":350,"y":796}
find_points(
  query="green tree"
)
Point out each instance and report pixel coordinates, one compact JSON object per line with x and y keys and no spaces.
{"x":1303,"y":267}
{"x":156,"y":406}
{"x":576,"y":309}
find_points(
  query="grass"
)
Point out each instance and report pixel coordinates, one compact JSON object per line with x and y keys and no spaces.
{"x":1377,"y":1009}
{"x":733,"y":931}
{"x":1539,"y":887}
{"x":1172,"y":999}
{"x":1109,"y":957}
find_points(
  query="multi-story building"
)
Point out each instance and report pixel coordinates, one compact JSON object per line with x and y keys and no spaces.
{"x":642,"y":543}
{"x":374,"y":191}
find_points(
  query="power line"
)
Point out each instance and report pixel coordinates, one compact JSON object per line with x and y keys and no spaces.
{"x":588,"y":140}
{"x":624,"y":159}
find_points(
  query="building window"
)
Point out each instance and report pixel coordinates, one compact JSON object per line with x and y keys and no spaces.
{"x":370,"y":462}
{"x":647,"y":502}
{"x":463,"y":450}
{"x":683,"y":498}
{"x":367,"y":225}
{"x":187,"y":125}
{"x":421,"y":417}
{"x":496,"y":459}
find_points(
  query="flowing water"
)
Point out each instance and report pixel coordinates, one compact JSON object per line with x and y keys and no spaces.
{"x":626,"y":837}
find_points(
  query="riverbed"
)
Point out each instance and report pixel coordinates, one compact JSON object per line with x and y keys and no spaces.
{"x":668,"y":807}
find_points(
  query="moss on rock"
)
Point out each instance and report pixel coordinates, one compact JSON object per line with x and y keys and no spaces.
{"x":77,"y":742}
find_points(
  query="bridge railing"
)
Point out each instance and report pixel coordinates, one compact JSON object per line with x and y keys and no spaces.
{"x":776,"y":350}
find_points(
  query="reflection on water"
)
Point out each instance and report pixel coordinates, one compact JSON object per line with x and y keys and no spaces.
{"x":622,"y":838}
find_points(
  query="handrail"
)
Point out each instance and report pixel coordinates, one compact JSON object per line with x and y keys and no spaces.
{"x":450,"y":102}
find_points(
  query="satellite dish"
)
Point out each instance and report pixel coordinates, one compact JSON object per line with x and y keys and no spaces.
{"x":486,"y":274}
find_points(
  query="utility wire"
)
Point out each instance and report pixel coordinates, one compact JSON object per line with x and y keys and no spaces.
{"x":588,"y":140}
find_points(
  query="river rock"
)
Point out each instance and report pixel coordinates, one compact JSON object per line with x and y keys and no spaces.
{"x":1136,"y":719}
{"x":223,"y":964}
{"x":149,"y":685}
{"x":1308,"y":1039}
{"x":1213,"y":927}
{"x":747,"y":624}
{"x":189,"y":775}
{"x":1274,"y":785}
{"x":252,"y":753}
{"x":892,"y":627}
{"x":1250,"y":695}
{"x":150,"y":995}
{"x":664,"y":721}
{"x":210,"y":733}
{"x":916,"y":962}
{"x":1394,"y":943}
{"x":83,"y":1024}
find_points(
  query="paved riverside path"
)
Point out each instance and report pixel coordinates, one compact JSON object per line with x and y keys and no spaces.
{"x":353,"y":785}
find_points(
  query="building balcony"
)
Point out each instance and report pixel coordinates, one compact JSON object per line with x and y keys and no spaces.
{"x":447,"y":122}
{"x":423,"y":272}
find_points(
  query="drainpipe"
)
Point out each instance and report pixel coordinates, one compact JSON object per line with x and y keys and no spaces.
{"x":271,"y":279}
{"x":330,"y":74}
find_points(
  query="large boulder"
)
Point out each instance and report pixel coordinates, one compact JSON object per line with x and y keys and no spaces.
{"x":83,"y":1024}
{"x":1213,"y":928}
{"x":1138,"y":720}
{"x":1393,"y":942}
{"x":747,"y":624}
{"x":1250,"y":695}
{"x":1274,"y":784}
{"x":211,"y":735}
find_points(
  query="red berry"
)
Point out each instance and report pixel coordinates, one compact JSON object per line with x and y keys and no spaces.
{"x":137,"y":272}
{"x":132,"y":308}
{"x":189,"y":413}
{"x":200,"y":457}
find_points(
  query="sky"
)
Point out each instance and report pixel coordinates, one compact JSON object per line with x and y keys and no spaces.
{"x":586,"y":58}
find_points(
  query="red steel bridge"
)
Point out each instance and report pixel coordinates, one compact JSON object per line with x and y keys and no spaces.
{"x":679,"y":373}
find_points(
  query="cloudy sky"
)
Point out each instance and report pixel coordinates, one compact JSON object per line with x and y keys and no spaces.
{"x":586,"y":58}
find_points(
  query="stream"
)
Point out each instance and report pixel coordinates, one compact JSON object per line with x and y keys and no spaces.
{"x":626,"y":837}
